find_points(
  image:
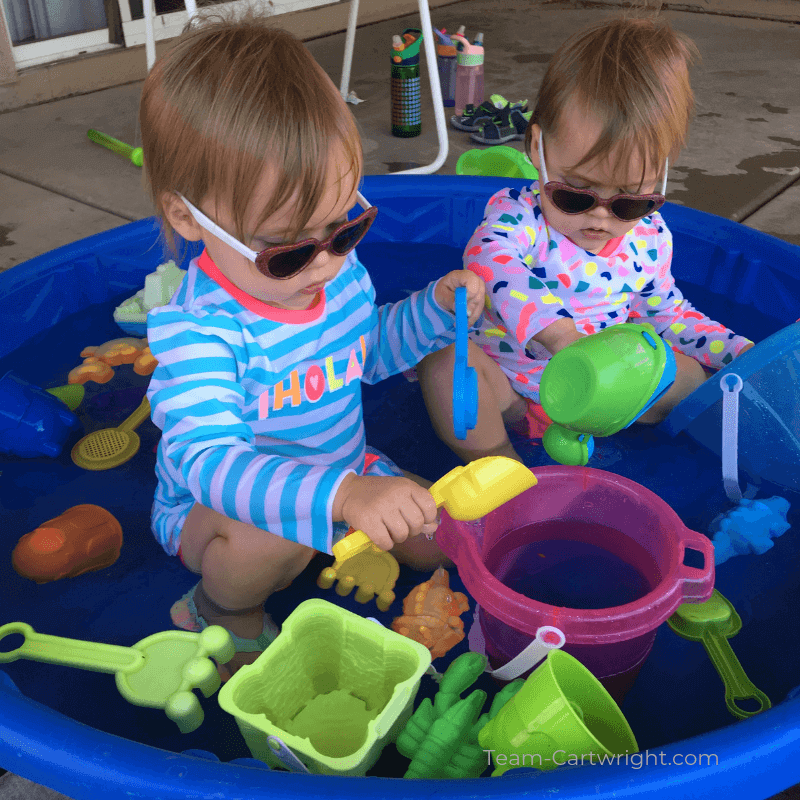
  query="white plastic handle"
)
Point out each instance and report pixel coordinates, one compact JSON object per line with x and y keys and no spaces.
{"x":731,"y":385}
{"x":547,"y":638}
{"x":285,"y":755}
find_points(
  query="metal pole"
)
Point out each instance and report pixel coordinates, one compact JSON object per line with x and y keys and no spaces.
{"x":150,"y":33}
{"x":349,"y":42}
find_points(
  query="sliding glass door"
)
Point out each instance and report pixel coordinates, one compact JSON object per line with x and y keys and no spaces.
{"x":44,"y":31}
{"x":47,"y":30}
{"x":170,"y":21}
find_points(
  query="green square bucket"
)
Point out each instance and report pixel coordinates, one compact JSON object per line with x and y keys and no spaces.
{"x":334,"y":687}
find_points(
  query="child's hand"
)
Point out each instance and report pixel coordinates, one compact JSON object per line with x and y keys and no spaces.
{"x":558,"y":335}
{"x":476,"y":291}
{"x":388,"y":510}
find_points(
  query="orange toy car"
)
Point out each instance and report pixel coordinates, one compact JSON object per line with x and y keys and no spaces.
{"x":83,"y":538}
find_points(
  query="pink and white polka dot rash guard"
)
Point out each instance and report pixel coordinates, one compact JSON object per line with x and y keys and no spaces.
{"x":534,"y":275}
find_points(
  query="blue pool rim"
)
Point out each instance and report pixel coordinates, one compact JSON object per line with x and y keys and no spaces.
{"x":761,"y":759}
{"x":688,"y":410}
{"x":757,"y":758}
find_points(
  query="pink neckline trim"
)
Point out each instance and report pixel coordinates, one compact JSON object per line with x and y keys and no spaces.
{"x":296,"y":317}
{"x":610,"y":247}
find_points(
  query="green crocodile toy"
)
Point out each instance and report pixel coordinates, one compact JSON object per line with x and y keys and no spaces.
{"x":441,"y":738}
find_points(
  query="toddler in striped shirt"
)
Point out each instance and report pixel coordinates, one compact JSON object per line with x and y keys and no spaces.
{"x":249,"y":148}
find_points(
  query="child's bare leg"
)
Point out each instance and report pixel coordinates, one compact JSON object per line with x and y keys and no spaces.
{"x":498,"y":404}
{"x":688,"y":376}
{"x":241,"y":566}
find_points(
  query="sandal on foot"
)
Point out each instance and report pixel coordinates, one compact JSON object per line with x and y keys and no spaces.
{"x":184,"y":614}
{"x":473,"y":118}
{"x":510,"y":124}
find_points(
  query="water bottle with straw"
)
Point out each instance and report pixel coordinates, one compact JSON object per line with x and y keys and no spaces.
{"x":446,"y":62}
{"x":406,"y":105}
{"x":469,"y":73}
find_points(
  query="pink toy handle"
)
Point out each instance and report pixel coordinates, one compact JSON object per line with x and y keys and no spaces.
{"x":470,"y":49}
{"x":698,"y":582}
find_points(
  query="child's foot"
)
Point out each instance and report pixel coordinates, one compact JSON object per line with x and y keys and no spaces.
{"x":533,"y":424}
{"x":252,"y":630}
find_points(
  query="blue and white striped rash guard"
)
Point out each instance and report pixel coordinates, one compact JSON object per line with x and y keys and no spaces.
{"x":260,"y":407}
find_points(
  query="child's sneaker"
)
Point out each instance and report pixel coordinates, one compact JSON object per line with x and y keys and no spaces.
{"x":509,"y":124}
{"x":472,"y":118}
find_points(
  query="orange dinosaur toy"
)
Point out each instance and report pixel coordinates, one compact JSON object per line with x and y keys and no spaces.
{"x":432,"y":614}
{"x":98,"y":360}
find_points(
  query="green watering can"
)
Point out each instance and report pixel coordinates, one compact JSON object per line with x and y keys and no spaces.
{"x":601,"y":384}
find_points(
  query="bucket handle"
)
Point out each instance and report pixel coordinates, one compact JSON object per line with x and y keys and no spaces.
{"x":547,"y":638}
{"x":700,"y":578}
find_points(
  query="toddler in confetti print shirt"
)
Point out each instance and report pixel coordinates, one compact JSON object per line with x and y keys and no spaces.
{"x":583,"y":247}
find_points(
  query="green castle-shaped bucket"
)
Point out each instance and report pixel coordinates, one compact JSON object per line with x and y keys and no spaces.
{"x":334,"y":687}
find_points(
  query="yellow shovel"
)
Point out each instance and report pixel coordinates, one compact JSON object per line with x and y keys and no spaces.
{"x":467,"y":493}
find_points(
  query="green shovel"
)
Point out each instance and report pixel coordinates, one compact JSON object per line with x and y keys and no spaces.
{"x":713,"y":623}
{"x":160,"y":671}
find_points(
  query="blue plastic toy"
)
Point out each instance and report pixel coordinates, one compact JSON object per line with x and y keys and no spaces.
{"x":749,"y":528}
{"x":764,"y":382}
{"x":32,"y":421}
{"x":465,"y":378}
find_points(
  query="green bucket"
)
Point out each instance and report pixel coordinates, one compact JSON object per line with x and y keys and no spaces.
{"x":560,"y":715}
{"x":334,"y":687}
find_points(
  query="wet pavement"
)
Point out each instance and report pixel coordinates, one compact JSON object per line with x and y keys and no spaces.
{"x":742,"y":159}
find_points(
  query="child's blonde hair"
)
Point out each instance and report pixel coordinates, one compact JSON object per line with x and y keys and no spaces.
{"x":633,"y":73}
{"x":231,"y":98}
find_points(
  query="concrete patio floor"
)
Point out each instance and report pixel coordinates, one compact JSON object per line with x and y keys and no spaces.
{"x":742,"y":160}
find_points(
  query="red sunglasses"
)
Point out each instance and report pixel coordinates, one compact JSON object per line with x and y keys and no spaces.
{"x":625,"y":207}
{"x":284,"y":261}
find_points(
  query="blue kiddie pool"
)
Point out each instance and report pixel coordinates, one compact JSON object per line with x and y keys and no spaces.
{"x":72,"y":731}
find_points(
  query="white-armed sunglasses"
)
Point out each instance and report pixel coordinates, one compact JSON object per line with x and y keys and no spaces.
{"x":284,"y":261}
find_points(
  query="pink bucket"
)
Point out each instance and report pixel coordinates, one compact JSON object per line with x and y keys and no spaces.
{"x":580,"y":534}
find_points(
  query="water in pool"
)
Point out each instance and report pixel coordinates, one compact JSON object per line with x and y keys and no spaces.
{"x":573,"y":564}
{"x":677,"y":694}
